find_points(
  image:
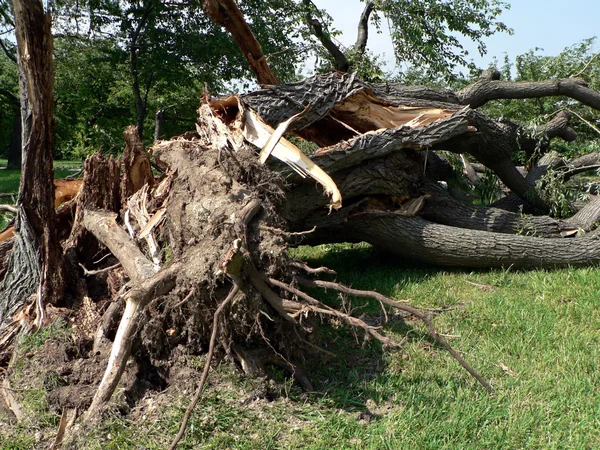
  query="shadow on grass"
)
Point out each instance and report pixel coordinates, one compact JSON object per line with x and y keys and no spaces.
{"x":347,"y":380}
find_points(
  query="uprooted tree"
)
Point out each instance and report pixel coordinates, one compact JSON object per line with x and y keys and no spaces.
{"x":167,"y":256}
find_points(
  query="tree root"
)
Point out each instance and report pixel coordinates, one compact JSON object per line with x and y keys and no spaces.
{"x":211,"y":348}
{"x":307,"y":269}
{"x":318,"y":307}
{"x":149,"y":284}
{"x":399,"y":306}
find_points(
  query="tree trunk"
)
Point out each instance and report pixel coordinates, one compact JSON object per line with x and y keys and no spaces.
{"x":36,"y":261}
{"x":378,"y":140}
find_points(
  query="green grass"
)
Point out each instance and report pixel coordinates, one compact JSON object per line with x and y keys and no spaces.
{"x":532,"y":334}
{"x":10,"y":179}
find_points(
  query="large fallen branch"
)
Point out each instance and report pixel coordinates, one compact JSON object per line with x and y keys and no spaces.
{"x":148,"y":283}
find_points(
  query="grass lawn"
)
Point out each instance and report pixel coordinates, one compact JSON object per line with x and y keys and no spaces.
{"x":533,"y":334}
{"x":10,"y":179}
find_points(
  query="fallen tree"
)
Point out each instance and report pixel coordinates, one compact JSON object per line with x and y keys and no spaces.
{"x":211,"y":233}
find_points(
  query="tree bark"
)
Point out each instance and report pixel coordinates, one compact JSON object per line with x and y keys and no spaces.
{"x":37,"y":258}
{"x":378,"y":141}
{"x":490,"y":87}
{"x":420,"y":240}
{"x":362,"y":35}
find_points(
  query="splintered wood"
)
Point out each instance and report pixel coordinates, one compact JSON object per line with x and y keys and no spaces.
{"x":363,"y":112}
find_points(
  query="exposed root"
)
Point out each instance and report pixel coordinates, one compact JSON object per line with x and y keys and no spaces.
{"x":185,"y":299}
{"x":287,"y":234}
{"x":89,"y":273}
{"x":109,"y":320}
{"x":9,"y":398}
{"x":278,"y":359}
{"x":211,"y":349}
{"x":402,"y":307}
{"x":280,"y":305}
{"x":318,"y":307}
{"x":308,"y":269}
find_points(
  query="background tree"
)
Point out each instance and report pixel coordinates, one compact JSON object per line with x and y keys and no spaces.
{"x":426,"y":34}
{"x":580,"y":60}
{"x":168,"y":52}
{"x":10,"y":114}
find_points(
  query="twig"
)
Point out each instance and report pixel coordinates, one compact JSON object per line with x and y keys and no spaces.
{"x":577,"y":170}
{"x":88,"y":273}
{"x":589,"y":124}
{"x":9,"y":208}
{"x":287,"y":233}
{"x":584,"y":67}
{"x":211,"y":348}
{"x":308,"y":269}
{"x":409,"y":309}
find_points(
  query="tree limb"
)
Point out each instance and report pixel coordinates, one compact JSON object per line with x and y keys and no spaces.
{"x":227,"y":14}
{"x":316,"y":27}
{"x":363,"y":29}
{"x":491,"y":88}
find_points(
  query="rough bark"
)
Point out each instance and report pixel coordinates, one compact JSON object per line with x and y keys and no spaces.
{"x":362,"y":35}
{"x":101,"y":190}
{"x":377,"y":154}
{"x":36,"y":240}
{"x":490,"y":87}
{"x":444,"y":209}
{"x":316,"y":27}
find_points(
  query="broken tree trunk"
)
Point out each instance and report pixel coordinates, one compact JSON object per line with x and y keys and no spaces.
{"x":375,"y":144}
{"x":227,"y":14}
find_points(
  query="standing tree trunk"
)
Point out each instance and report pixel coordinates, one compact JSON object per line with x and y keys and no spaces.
{"x":37,"y":260}
{"x":141,"y":101}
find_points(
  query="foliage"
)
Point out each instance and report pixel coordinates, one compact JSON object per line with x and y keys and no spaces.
{"x":426,"y":33}
{"x":582,"y":60}
{"x":9,"y":93}
{"x":426,"y":36}
{"x":119,"y":62}
{"x":488,"y":188}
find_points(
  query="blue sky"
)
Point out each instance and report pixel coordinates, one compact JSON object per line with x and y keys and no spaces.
{"x":548,"y":24}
